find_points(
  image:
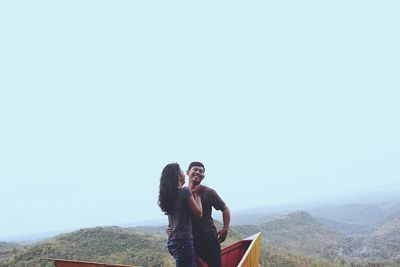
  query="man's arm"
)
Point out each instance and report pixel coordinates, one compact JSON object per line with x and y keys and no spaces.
{"x":226,"y":218}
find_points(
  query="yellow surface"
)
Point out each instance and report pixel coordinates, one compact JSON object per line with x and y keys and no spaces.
{"x":252,"y":255}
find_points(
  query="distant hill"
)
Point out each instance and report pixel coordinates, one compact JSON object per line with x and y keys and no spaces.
{"x":150,"y":230}
{"x":365,"y":214}
{"x":385,"y":241}
{"x":7,"y":249}
{"x":298,"y":232}
{"x":101,"y":244}
{"x":301,"y":234}
{"x":8,"y":245}
{"x":127,"y":246}
{"x":390,"y":227}
{"x":382,"y":246}
{"x":349,"y":229}
{"x":295,"y":239}
{"x":253,"y":218}
{"x":389,"y":207}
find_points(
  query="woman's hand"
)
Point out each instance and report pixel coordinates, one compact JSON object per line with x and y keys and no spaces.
{"x":198,"y":190}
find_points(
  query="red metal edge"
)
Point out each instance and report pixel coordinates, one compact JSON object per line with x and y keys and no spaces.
{"x":73,"y":263}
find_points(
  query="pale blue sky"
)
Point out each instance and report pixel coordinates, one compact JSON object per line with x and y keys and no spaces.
{"x":283,"y":101}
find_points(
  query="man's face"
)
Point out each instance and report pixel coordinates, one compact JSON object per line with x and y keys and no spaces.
{"x":196,"y":175}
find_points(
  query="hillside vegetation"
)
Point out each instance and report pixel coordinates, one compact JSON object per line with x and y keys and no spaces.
{"x":294,"y":240}
{"x":100,"y":244}
{"x":298,"y":232}
{"x":127,"y":246}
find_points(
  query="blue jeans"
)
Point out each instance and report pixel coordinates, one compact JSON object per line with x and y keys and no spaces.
{"x":183,"y":252}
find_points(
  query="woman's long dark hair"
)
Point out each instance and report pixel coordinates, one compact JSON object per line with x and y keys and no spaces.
{"x":169,"y":181}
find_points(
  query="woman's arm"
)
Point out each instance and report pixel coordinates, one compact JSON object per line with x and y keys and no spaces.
{"x":195,"y":205}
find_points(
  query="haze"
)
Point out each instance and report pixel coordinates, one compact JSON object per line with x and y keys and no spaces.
{"x":282,"y":101}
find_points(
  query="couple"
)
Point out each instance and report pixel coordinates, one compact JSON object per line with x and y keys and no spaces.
{"x":191,"y":228}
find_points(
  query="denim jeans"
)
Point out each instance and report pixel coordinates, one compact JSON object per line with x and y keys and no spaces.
{"x":183,"y":252}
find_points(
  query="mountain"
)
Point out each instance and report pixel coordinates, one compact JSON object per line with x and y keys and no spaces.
{"x":385,"y":240}
{"x":4,"y":246}
{"x":295,"y":239}
{"x":390,"y":227}
{"x":298,"y":232}
{"x":349,"y":229}
{"x":301,"y":234}
{"x":272,"y":256}
{"x":253,"y":218}
{"x":128,"y":246}
{"x":381,"y":246}
{"x":389,"y":207}
{"x":101,"y":244}
{"x":7,"y":249}
{"x":366,"y":214}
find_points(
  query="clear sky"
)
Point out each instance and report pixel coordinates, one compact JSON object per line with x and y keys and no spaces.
{"x":283,"y":101}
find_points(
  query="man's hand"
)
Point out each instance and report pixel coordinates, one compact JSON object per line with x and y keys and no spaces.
{"x":221,"y":235}
{"x":226,"y":217}
{"x":169,"y":230}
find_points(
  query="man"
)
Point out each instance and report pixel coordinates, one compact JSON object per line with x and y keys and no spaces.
{"x":205,"y":236}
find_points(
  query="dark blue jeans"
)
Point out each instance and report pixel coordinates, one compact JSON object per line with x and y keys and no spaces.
{"x":183,"y":252}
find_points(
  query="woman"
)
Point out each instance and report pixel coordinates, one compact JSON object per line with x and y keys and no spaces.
{"x":179,"y":204}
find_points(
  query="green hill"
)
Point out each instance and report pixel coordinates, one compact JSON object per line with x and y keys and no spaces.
{"x":299,"y":237}
{"x":101,"y":244}
{"x":350,"y":213}
{"x":389,"y":227}
{"x":348,"y":229}
{"x":384,"y":244}
{"x":128,"y":246}
{"x":298,"y":232}
{"x":7,"y":245}
{"x":293,"y":240}
{"x":7,"y":249}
